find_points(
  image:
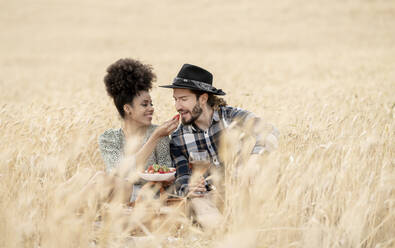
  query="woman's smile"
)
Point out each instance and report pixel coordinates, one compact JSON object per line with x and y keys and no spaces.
{"x":149,"y":115}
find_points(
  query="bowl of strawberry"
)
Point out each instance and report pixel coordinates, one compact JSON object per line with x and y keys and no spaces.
{"x":158,"y":173}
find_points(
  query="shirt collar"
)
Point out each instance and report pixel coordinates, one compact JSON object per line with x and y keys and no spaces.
{"x":215,"y":116}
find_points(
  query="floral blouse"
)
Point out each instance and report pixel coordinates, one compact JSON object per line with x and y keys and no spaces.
{"x":112,"y":143}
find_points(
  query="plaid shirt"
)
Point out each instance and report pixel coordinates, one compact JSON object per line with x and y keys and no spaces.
{"x":188,"y":138}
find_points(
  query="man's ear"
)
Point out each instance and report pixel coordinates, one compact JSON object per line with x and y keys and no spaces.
{"x":203,"y":98}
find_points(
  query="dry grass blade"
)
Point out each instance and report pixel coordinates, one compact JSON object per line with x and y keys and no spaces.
{"x":320,"y":71}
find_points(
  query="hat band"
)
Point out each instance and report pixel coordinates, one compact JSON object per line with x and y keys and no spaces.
{"x":197,"y":84}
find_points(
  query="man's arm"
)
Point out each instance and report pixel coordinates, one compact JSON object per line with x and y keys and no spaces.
{"x":180,"y":161}
{"x":266,"y":134}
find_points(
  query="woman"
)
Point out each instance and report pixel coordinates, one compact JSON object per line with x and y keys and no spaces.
{"x":128,"y":82}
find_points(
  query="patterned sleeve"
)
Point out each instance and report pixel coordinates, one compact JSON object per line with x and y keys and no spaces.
{"x":180,"y":159}
{"x":237,"y":114}
{"x":262,"y":144}
{"x":109,"y":149}
{"x":162,"y":152}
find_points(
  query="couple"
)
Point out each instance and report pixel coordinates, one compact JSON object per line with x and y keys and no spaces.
{"x":203,"y":118}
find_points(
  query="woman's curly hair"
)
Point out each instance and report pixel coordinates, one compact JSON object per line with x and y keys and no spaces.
{"x":125,"y":79}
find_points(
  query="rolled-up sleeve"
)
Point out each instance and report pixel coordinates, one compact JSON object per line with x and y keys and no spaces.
{"x":265,"y":140}
{"x":179,"y":157}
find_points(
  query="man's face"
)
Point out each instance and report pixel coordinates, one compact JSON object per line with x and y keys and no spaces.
{"x":187,"y":105}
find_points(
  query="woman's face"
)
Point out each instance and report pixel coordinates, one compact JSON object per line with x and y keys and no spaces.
{"x":141,"y":110}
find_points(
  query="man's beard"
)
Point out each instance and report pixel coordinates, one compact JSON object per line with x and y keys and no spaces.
{"x":196,"y":112}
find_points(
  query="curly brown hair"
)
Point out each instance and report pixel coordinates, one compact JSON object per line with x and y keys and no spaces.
{"x":213,"y":101}
{"x":125,"y":79}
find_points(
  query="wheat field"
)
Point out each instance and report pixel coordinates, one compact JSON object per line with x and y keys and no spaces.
{"x":321,"y":71}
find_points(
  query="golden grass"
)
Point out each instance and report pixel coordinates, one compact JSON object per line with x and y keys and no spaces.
{"x":321,"y":71}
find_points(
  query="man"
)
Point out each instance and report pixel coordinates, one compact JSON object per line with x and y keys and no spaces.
{"x":204,"y":116}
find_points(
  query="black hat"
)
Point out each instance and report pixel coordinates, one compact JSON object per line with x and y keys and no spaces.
{"x":194,"y":78}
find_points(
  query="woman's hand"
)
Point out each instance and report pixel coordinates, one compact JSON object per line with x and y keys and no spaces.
{"x":166,"y":128}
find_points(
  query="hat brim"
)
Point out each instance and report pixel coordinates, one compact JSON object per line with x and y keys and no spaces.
{"x":221,"y":93}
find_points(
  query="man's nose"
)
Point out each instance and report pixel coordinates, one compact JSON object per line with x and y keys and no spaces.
{"x":178,"y":105}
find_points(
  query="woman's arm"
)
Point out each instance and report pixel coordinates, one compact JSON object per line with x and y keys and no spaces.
{"x":163,"y":130}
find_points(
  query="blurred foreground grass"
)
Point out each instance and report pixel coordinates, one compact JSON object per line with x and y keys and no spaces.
{"x":322,"y":72}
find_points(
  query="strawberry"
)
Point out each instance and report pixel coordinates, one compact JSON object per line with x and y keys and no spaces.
{"x":177,"y":116}
{"x":164,"y":168}
{"x":161,"y":169}
{"x":156,"y":167}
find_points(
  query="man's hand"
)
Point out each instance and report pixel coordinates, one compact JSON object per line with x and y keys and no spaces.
{"x":198,"y":189}
{"x":168,"y":183}
{"x":271,"y":143}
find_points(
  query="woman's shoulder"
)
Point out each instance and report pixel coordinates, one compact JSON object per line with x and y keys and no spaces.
{"x":113,"y":135}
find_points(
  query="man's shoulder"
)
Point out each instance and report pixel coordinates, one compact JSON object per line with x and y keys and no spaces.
{"x":229,"y":111}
